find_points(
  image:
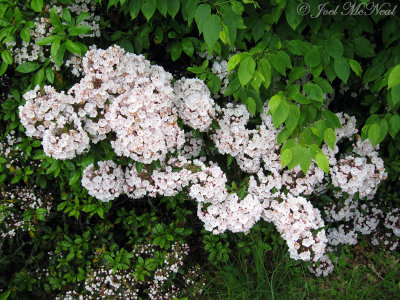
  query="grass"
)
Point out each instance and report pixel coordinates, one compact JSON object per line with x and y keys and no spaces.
{"x":360,"y":273}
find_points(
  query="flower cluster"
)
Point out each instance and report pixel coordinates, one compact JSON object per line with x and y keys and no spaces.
{"x":124,"y":98}
{"x":15,"y":205}
{"x":103,"y":283}
{"x":30,"y":51}
{"x":348,"y":218}
{"x":104,"y":183}
{"x":296,"y":219}
{"x":194,"y":103}
{"x":15,"y":158}
{"x":220,"y":69}
{"x":159,"y":286}
{"x":168,"y":279}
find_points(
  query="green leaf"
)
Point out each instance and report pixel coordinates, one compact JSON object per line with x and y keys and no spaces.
{"x":233,"y":61}
{"x":258,"y":29}
{"x":100,"y":212}
{"x":36,"y":143}
{"x":6,"y":57}
{"x":37,"y":5}
{"x":324,"y":84}
{"x":394,"y":125}
{"x":286,"y":157}
{"x":394,"y":77}
{"x":229,"y":160}
{"x":264,"y":67}
{"x":187,"y":47}
{"x":40,"y":212}
{"x":47,"y":40}
{"x":55,"y":19}
{"x":16,"y":178}
{"x":134,"y":8}
{"x":28,"y":67}
{"x":334,"y":48}
{"x":342,"y":69}
{"x":54,"y":49}
{"x":363,"y":47}
{"x":280,"y":114}
{"x":162,"y":6}
{"x":74,"y":177}
{"x":246,"y":70}
{"x":356,"y":67}
{"x":74,"y":31}
{"x":83,"y":16}
{"x":202,"y":13}
{"x":37,"y":80}
{"x":212,"y":29}
{"x":66,"y":15}
{"x":313,"y":91}
{"x":292,"y":15}
{"x":191,"y":6}
{"x":296,"y":154}
{"x":284,"y":57}
{"x":395,"y":97}
{"x":274,"y":102}
{"x":312,"y":57}
{"x":73,"y":47}
{"x":298,"y":47}
{"x":237,"y":7}
{"x":148,"y":8}
{"x":139,"y":167}
{"x":25,"y":34}
{"x":374,"y":133}
{"x":39,"y":154}
{"x":332,"y":120}
{"x":374,"y":72}
{"x":304,"y":159}
{"x":383,"y":128}
{"x":279,"y":63}
{"x":292,"y":118}
{"x":173,"y":7}
{"x":176,"y":51}
{"x":330,"y":137}
{"x":251,"y":105}
{"x":59,"y":58}
{"x":322,"y":162}
{"x":296,"y":73}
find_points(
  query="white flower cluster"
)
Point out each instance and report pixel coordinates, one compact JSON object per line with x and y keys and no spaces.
{"x":124,"y":98}
{"x":296,"y":219}
{"x":16,"y":159}
{"x":15,"y":201}
{"x":220,"y":69}
{"x":358,"y":172}
{"x":247,"y":146}
{"x":192,"y":147}
{"x":82,"y":6}
{"x":30,"y":51}
{"x":232,"y":214}
{"x":323,"y":267}
{"x":52,"y":116}
{"x":348,"y":218}
{"x":159,"y":286}
{"x":119,"y":93}
{"x":392,"y":221}
{"x":104,"y":183}
{"x":354,"y":217}
{"x":103,"y":283}
{"x":194,"y":103}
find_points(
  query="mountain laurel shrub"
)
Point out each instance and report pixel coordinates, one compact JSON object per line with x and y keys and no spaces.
{"x":131,"y":125}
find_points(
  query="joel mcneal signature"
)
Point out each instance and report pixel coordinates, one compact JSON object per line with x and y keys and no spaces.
{"x":349,"y":9}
